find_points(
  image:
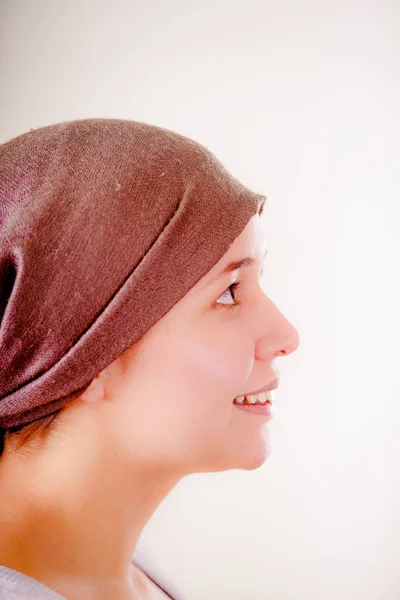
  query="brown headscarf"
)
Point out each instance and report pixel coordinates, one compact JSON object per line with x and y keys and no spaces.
{"x":105,"y":224}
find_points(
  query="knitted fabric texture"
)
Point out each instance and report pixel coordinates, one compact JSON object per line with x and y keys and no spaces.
{"x":105,"y":224}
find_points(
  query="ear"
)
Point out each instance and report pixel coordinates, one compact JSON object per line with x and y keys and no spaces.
{"x":95,"y":391}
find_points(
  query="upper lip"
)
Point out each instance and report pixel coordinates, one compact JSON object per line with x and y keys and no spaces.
{"x":271,"y":386}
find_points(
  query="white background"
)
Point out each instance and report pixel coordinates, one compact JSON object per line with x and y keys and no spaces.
{"x":300,"y":100}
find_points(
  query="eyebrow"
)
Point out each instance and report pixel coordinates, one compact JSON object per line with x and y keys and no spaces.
{"x":238,"y":264}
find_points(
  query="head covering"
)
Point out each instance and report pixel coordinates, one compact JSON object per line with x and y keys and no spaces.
{"x":105,"y":224}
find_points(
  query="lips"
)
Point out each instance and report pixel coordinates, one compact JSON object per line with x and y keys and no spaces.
{"x":271,"y":386}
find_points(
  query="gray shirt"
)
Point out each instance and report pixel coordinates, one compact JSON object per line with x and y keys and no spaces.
{"x":17,"y":586}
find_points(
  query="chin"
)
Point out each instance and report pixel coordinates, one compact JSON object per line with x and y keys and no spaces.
{"x":252,"y":459}
{"x":252,"y":452}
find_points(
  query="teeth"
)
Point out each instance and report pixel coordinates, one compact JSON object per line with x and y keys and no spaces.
{"x":239,"y":400}
{"x":262,"y":398}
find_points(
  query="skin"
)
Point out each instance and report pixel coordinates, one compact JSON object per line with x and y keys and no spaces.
{"x":73,"y":504}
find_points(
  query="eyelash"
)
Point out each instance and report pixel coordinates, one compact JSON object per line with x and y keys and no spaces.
{"x":232,"y":287}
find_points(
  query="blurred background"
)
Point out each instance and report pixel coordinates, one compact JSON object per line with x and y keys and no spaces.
{"x":300,"y":101}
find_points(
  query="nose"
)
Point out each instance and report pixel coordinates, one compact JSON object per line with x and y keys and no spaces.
{"x":278,"y":336}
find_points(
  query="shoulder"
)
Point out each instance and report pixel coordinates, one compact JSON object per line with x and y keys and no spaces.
{"x":18,"y":586}
{"x":153,"y":577}
{"x":147,"y":587}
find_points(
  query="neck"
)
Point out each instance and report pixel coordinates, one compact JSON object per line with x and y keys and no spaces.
{"x":74,"y":512}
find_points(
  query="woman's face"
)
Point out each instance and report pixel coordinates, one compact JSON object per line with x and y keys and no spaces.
{"x":176,"y":397}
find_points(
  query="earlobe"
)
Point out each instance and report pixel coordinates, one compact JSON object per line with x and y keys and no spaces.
{"x":94,"y":393}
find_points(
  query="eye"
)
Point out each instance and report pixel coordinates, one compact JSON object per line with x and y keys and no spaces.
{"x":230,"y":291}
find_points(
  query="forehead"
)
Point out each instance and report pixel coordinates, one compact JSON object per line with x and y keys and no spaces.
{"x":250,"y":243}
{"x":248,"y":249}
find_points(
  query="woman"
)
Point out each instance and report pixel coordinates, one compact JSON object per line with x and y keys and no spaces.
{"x":126,"y":333}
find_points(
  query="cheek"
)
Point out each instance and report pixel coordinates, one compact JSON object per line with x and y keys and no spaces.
{"x":212,"y":359}
{"x":191,"y":374}
{"x":209,"y":373}
{"x":181,"y":395}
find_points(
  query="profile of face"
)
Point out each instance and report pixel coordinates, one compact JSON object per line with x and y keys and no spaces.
{"x":168,"y":400}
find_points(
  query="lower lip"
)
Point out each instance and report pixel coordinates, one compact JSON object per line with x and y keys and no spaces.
{"x":256,"y":409}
